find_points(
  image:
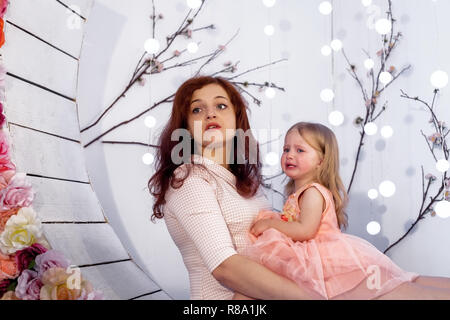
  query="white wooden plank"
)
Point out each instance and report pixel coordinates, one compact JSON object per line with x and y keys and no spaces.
{"x":42,"y":154}
{"x":85,"y":243}
{"x":63,"y":30}
{"x":57,"y":200}
{"x":84,"y":6}
{"x":122,"y":280}
{"x":36,"y":61}
{"x":34,"y":107}
{"x":160,"y":295}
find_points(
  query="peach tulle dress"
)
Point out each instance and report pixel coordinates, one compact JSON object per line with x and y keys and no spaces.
{"x":334,"y":264}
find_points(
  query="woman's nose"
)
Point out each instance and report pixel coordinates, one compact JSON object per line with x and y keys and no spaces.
{"x":210,"y":113}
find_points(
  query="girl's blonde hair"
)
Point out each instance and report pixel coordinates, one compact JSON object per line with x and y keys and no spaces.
{"x":323,"y":140}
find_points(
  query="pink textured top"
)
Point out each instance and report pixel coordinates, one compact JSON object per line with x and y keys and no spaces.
{"x":208,"y":221}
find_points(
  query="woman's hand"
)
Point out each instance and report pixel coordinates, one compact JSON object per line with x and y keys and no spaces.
{"x":260,"y":226}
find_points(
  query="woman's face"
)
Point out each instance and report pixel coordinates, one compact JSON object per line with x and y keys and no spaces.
{"x":211,"y":116}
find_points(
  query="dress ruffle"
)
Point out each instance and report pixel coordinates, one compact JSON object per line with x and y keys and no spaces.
{"x":333,"y":264}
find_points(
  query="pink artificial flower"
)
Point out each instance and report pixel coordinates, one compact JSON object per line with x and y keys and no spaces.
{"x":447,"y":183}
{"x":431,"y":177}
{"x":4,"y":147}
{"x":4,"y":217}
{"x":8,"y":267}
{"x":4,"y":284}
{"x":9,"y":295}
{"x":379,"y":52}
{"x":222,"y":47}
{"x":141,"y":81}
{"x":25,"y":256}
{"x":159,"y":66}
{"x":2,"y":116}
{"x":18,"y":193}
{"x":50,"y":259}
{"x":227,"y":64}
{"x":3,"y":7}
{"x":28,"y":286}
{"x":5,"y":178}
{"x":176,"y":53}
{"x":435,"y":138}
{"x":56,"y":287}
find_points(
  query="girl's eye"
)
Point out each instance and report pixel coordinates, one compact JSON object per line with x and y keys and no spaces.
{"x":221,"y":106}
{"x":299,"y":150}
{"x":196,"y":110}
{"x":286,"y":150}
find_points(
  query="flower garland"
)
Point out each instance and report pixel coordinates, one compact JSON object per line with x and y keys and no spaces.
{"x":29,"y":268}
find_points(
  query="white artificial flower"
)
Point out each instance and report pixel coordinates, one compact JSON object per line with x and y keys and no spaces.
{"x":21,"y":231}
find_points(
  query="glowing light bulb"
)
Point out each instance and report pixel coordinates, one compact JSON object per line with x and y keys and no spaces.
{"x":326,"y":50}
{"x":270,"y":93}
{"x":327,"y":95}
{"x":373,"y":228}
{"x":386,"y":132}
{"x":387,"y":188}
{"x":442,"y":165}
{"x":383,"y":26}
{"x":271,"y":158}
{"x":336,"y":118}
{"x":336,"y":44}
{"x":372,"y":194}
{"x":269,"y":3}
{"x":150,"y":121}
{"x":385,"y":77}
{"x":192,"y":47}
{"x":369,"y":63}
{"x":370,"y":128}
{"x":194,"y":4}
{"x":148,"y":158}
{"x":269,"y":30}
{"x":439,"y":79}
{"x":442,"y":209}
{"x":325,"y":7}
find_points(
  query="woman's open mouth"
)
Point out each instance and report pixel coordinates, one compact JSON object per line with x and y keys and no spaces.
{"x":212,"y":126}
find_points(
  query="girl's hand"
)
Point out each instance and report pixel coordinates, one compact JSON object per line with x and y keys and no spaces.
{"x":260,"y":226}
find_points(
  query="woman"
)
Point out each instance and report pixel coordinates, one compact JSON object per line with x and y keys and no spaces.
{"x":210,"y":201}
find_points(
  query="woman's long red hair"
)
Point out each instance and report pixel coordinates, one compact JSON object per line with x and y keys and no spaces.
{"x":248,"y":175}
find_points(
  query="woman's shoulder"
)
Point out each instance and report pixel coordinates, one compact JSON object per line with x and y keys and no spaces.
{"x":189,"y":178}
{"x":312,"y":187}
{"x":191,"y":171}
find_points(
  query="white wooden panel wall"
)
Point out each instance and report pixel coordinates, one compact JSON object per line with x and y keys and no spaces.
{"x":41,"y":57}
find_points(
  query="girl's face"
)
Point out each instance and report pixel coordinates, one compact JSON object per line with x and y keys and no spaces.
{"x":211,"y":117}
{"x":299,"y":161}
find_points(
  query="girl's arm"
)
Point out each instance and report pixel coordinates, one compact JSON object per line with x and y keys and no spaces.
{"x":252,"y":279}
{"x":311,"y":205}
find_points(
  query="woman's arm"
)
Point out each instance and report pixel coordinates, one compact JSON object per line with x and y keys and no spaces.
{"x":195,"y":206}
{"x":250,"y":278}
{"x":311,"y":205}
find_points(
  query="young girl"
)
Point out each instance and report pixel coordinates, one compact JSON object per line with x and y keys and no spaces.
{"x":304,"y":243}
